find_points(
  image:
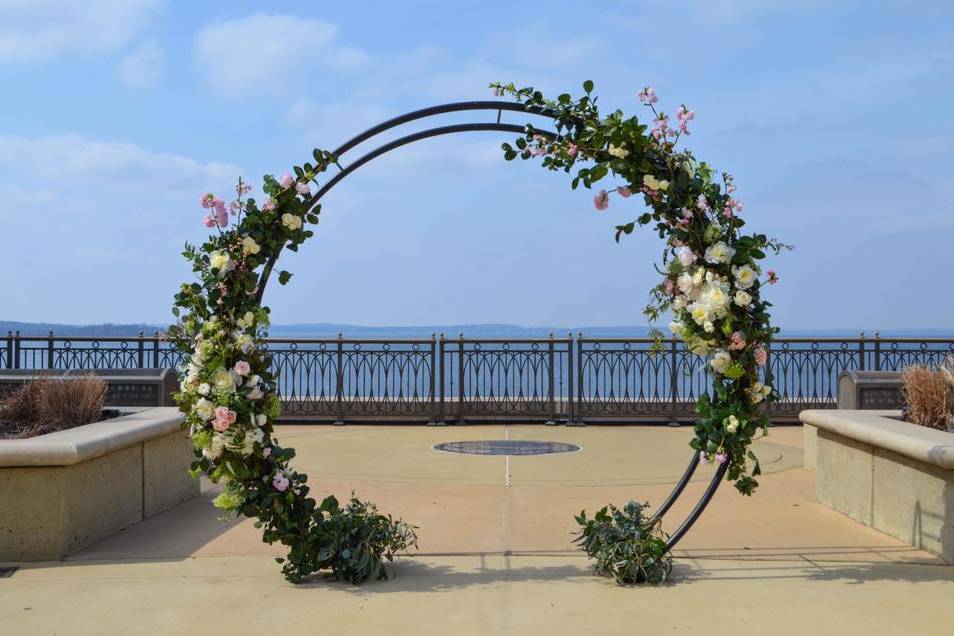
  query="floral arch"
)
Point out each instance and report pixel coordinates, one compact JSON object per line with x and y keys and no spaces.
{"x":711,"y":283}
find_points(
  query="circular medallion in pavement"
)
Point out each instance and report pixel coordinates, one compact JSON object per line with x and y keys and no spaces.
{"x":507,"y":447}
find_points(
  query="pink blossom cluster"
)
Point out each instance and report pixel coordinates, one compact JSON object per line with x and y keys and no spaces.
{"x":661,"y":130}
{"x":219,"y":216}
{"x":684,"y":115}
{"x":648,"y":96}
{"x":731,"y":207}
{"x":280,"y":482}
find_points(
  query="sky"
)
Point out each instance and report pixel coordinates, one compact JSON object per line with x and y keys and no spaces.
{"x":116,"y":115}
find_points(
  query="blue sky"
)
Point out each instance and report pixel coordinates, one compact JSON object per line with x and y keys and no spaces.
{"x":833,"y":116}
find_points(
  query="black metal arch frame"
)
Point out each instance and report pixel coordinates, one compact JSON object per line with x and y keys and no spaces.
{"x":497,"y":126}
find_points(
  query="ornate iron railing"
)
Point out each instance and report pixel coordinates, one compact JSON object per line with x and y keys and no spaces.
{"x":459,"y":379}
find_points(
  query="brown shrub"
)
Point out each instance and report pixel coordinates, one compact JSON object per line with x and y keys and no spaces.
{"x":929,"y":394}
{"x":44,"y":405}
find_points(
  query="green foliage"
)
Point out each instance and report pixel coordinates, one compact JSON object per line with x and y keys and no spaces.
{"x":625,"y":545}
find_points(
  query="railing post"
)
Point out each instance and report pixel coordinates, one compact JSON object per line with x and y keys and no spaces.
{"x":861,"y":352}
{"x":550,"y":382}
{"x":16,"y":350}
{"x":49,"y":351}
{"x":673,"y":384}
{"x":155,"y":351}
{"x":440,"y":406}
{"x":579,"y":379}
{"x":339,"y":383}
{"x":141,"y":353}
{"x":877,"y":351}
{"x":569,"y":378}
{"x":9,"y":364}
{"x":433,"y":393}
{"x":460,"y":379}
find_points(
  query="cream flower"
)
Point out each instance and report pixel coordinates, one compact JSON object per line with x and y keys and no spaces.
{"x":720,"y":361}
{"x":685,"y":255}
{"x":677,"y":328}
{"x":216,"y":447}
{"x":731,"y":424}
{"x":223,"y":380}
{"x":685,"y":283}
{"x":653,"y":183}
{"x":745,"y":276}
{"x":221,"y":261}
{"x":260,"y":420}
{"x":719,"y":253}
{"x":204,"y":389}
{"x":291,"y":221}
{"x":249,"y":246}
{"x":742,"y":298}
{"x":204,"y":409}
{"x":616,"y":151}
{"x":246,"y":321}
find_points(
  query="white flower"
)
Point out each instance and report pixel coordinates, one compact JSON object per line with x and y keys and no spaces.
{"x":254,"y":394}
{"x":249,"y":246}
{"x":720,"y":361}
{"x":204,"y":389}
{"x":192,"y":373}
{"x":677,"y":328}
{"x":253,"y":380}
{"x":699,"y":313}
{"x":719,"y":253}
{"x":216,"y":447}
{"x":655,"y":184}
{"x":244,"y":342}
{"x":731,"y":424}
{"x":699,"y":276}
{"x":618,"y":152}
{"x":742,"y":298}
{"x":679,"y":303}
{"x":245,"y":321}
{"x":236,"y":378}
{"x":708,"y":326}
{"x":261,"y":420}
{"x":222,"y":380}
{"x":685,"y":255}
{"x":221,"y":261}
{"x":204,"y":409}
{"x":250,"y":439}
{"x":685,"y":283}
{"x":291,"y":221}
{"x":715,"y":299}
{"x":745,"y":276}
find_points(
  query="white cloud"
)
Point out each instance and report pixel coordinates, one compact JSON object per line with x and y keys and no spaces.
{"x":144,"y":66}
{"x":261,"y":53}
{"x":90,"y":163}
{"x":41,"y":30}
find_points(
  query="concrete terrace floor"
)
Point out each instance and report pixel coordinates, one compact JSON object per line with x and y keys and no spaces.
{"x":495,"y":554}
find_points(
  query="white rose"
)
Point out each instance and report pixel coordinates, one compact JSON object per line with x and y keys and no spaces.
{"x":742,"y":298}
{"x":216,"y":447}
{"x":698,"y":277}
{"x":708,"y":326}
{"x":221,"y":261}
{"x":720,"y":361}
{"x":204,"y":409}
{"x":677,"y":328}
{"x":654,"y":184}
{"x":699,"y":313}
{"x":732,"y":424}
{"x":745,"y":276}
{"x":679,"y":303}
{"x":261,"y":419}
{"x":291,"y":221}
{"x":204,"y":388}
{"x":249,"y":246}
{"x":620,"y":153}
{"x":685,"y":283}
{"x":719,"y":253}
{"x":192,"y":373}
{"x":223,"y":381}
{"x":685,"y":256}
{"x":245,"y":343}
{"x":246,"y":321}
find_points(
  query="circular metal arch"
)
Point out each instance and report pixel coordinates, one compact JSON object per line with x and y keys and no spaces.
{"x":498,"y":126}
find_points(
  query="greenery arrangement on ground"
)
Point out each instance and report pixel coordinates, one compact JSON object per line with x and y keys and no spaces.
{"x":625,"y":544}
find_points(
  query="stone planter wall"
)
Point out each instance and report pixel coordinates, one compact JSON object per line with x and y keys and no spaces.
{"x":891,"y":475}
{"x":63,"y":491}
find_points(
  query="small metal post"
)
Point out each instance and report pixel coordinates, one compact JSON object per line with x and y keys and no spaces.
{"x":155,"y":351}
{"x":877,"y":351}
{"x":569,"y":377}
{"x":861,"y":352}
{"x":49,"y":351}
{"x":550,"y":383}
{"x":9,"y":350}
{"x":141,"y":361}
{"x":460,"y":378}
{"x":16,"y":350}
{"x":673,"y":386}
{"x":578,"y":420}
{"x":440,"y":404}
{"x":339,"y":383}
{"x":435,"y":416}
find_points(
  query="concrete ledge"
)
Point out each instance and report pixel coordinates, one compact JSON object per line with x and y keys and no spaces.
{"x":62,"y":492}
{"x":891,"y":475}
{"x":885,"y":430}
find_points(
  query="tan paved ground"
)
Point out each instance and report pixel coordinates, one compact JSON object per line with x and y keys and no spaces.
{"x":496,"y":558}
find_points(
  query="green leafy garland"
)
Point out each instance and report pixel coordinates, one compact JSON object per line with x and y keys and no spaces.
{"x":229,"y":395}
{"x":711,"y":276}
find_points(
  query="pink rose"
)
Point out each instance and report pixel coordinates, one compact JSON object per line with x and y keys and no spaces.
{"x":737,"y":342}
{"x":572,"y":149}
{"x":721,"y":458}
{"x":242,"y":368}
{"x":601,"y":200}
{"x":224,"y":417}
{"x":303,"y":187}
{"x":761,"y":356}
{"x":269,"y":204}
{"x":287,"y":180}
{"x":280,"y":482}
{"x":624,"y":192}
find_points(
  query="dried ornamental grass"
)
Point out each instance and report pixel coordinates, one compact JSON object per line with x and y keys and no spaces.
{"x":45,"y":405}
{"x":929,"y":394}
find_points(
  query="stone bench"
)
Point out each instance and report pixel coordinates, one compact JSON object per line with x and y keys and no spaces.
{"x":63,"y":491}
{"x":889,"y":474}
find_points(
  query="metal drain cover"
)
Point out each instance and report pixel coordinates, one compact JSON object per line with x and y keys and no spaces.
{"x":507,"y":447}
